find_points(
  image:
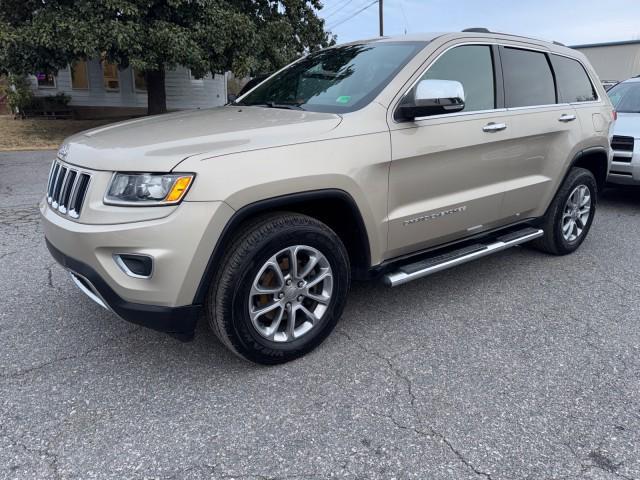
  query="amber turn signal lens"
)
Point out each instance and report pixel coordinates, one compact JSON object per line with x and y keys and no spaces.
{"x":178,"y":190}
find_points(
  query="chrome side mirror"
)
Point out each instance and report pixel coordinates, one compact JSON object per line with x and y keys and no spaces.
{"x":432,"y":97}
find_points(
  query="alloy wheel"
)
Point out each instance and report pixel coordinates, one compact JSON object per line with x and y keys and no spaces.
{"x":576,"y":213}
{"x":290,"y":293}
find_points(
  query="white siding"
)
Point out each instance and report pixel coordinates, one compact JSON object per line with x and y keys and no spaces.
{"x":183,"y":91}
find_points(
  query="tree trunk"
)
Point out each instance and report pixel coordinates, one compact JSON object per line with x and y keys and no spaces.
{"x":156,"y":95}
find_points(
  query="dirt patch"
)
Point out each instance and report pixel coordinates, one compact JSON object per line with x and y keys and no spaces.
{"x":36,"y":133}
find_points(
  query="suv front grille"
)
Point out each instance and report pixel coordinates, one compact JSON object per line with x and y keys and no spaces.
{"x":624,"y":144}
{"x":67,"y":189}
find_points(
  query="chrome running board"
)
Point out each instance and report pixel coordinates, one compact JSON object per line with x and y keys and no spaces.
{"x":437,"y":263}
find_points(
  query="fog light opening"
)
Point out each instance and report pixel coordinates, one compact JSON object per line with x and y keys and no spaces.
{"x":134,"y":264}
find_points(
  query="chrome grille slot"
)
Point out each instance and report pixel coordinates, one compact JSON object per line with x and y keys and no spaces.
{"x":52,"y":176}
{"x":617,"y":158}
{"x":77,"y":199}
{"x":620,"y":143}
{"x":62,"y":175}
{"x":66,"y":189}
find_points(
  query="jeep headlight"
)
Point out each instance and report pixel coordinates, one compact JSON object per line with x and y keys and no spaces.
{"x":147,"y":189}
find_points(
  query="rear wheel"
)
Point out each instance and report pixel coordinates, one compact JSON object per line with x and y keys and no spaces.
{"x":570,"y":215}
{"x":281,"y":288}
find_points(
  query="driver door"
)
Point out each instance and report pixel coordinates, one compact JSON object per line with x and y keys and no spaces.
{"x":447,"y":170}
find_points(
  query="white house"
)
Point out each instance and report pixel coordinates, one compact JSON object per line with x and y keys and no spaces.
{"x":101,"y":89}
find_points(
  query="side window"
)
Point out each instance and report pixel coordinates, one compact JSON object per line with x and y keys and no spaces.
{"x":46,"y":80}
{"x":528,"y":79}
{"x":472,"y":66}
{"x":79,"y":75}
{"x":573,"y":82}
{"x":110,"y":76}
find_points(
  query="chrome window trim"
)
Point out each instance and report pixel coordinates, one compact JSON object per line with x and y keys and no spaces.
{"x":457,"y":114}
{"x":500,"y":43}
{"x":547,"y":106}
{"x":590,"y":102}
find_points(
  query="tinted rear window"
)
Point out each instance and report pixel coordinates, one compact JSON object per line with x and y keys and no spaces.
{"x":527,"y":78}
{"x":573,"y":82}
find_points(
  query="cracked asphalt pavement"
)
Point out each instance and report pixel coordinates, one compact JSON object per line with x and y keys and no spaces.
{"x":517,"y":366}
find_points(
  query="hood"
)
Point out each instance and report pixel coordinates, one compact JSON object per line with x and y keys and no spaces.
{"x":627,"y":124}
{"x":159,"y":143}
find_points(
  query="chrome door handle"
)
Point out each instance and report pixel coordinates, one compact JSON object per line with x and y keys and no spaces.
{"x":567,"y":118}
{"x":494,"y":127}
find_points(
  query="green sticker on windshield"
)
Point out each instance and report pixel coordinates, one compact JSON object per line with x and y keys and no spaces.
{"x":343,"y":99}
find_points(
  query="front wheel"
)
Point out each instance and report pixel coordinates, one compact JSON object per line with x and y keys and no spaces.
{"x":281,"y":288}
{"x":570,"y":215}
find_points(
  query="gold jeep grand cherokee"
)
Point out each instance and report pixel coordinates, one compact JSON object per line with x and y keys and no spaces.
{"x":390,"y":158}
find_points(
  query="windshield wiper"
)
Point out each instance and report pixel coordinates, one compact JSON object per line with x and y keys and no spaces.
{"x":270,"y":104}
{"x":288,"y":106}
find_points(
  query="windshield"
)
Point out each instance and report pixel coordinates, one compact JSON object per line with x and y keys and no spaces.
{"x":335,"y":80}
{"x":625,"y":97}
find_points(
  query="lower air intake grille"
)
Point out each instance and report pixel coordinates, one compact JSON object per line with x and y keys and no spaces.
{"x":620,"y":143}
{"x":67,"y":189}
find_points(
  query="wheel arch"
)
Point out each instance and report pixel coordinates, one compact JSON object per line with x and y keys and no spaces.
{"x":596,"y":160}
{"x":334,"y":207}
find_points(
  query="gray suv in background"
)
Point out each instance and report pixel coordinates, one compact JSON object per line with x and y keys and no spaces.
{"x":625,"y":143}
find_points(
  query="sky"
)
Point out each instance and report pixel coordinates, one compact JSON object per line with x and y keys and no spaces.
{"x":571,"y":22}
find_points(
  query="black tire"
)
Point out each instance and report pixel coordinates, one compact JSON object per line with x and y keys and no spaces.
{"x":553,"y":240}
{"x":228,"y":301}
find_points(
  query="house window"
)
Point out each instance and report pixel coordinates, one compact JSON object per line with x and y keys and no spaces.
{"x":110,"y":77}
{"x":79,"y":75}
{"x":194,"y":80}
{"x":139,"y":80}
{"x":46,"y":80}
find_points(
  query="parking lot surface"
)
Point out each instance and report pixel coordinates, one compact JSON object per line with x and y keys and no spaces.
{"x":518,"y":366}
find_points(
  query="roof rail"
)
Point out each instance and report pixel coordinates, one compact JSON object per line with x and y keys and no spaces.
{"x":477,"y":30}
{"x":558,"y":43}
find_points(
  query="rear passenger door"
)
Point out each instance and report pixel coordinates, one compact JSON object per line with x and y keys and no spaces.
{"x":547,"y":126}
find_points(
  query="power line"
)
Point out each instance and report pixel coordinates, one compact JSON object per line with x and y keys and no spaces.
{"x":354,"y":14}
{"x":330,"y":6}
{"x":404,"y":14}
{"x":339,"y":9}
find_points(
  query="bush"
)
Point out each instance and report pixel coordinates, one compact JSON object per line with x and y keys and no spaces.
{"x":19,"y":94}
{"x":50,"y":102}
{"x":20,"y":98}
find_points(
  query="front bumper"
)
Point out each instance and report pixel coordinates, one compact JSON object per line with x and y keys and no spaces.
{"x":180,"y":245}
{"x":179,"y":322}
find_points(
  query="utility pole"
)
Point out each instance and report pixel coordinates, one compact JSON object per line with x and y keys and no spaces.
{"x":381,"y":19}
